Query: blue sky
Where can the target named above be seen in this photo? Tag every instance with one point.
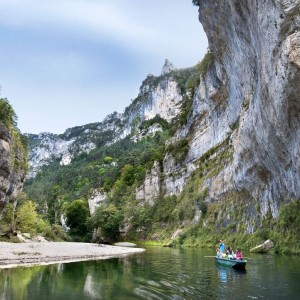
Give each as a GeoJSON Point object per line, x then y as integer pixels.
{"type": "Point", "coordinates": [65, 63]}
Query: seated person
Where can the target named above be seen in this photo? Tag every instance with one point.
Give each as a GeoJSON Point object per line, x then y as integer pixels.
{"type": "Point", "coordinates": [230, 253]}
{"type": "Point", "coordinates": [239, 254]}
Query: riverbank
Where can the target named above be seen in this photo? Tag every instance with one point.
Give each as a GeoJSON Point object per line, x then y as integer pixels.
{"type": "Point", "coordinates": [30, 254]}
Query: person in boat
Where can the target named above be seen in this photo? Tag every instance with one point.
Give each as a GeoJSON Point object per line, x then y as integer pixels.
{"type": "Point", "coordinates": [218, 252]}
{"type": "Point", "coordinates": [222, 246]}
{"type": "Point", "coordinates": [230, 253]}
{"type": "Point", "coordinates": [239, 254]}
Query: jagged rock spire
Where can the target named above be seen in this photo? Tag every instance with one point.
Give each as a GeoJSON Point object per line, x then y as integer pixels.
{"type": "Point", "coordinates": [168, 67]}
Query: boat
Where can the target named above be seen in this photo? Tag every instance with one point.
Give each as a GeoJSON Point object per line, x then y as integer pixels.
{"type": "Point", "coordinates": [234, 263]}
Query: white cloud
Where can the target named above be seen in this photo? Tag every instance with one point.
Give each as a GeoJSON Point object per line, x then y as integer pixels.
{"type": "Point", "coordinates": [94, 53]}
{"type": "Point", "coordinates": [93, 18]}
{"type": "Point", "coordinates": [136, 25]}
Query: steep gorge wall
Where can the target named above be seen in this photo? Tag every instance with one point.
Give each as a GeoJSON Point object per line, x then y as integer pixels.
{"type": "Point", "coordinates": [13, 161]}
{"type": "Point", "coordinates": [258, 47]}
{"type": "Point", "coordinates": [250, 94]}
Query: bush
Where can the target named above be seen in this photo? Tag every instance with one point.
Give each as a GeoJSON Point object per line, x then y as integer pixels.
{"type": "Point", "coordinates": [205, 63]}
{"type": "Point", "coordinates": [56, 233]}
{"type": "Point", "coordinates": [179, 150]}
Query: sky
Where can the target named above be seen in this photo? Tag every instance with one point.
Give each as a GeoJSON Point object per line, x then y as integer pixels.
{"type": "Point", "coordinates": [65, 63]}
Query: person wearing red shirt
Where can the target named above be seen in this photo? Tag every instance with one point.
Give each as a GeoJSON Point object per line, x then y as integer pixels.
{"type": "Point", "coordinates": [239, 254]}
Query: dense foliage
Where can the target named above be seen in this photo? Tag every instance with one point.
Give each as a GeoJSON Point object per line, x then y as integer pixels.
{"type": "Point", "coordinates": [78, 220]}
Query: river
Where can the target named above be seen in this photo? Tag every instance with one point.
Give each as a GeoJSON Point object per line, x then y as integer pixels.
{"type": "Point", "coordinates": [159, 273]}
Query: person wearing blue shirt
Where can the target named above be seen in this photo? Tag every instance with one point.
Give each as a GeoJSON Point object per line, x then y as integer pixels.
{"type": "Point", "coordinates": [222, 246]}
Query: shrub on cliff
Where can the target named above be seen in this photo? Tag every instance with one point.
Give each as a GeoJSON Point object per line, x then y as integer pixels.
{"type": "Point", "coordinates": [7, 114]}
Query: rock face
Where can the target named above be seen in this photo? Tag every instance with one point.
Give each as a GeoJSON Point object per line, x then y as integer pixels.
{"type": "Point", "coordinates": [150, 190]}
{"type": "Point", "coordinates": [95, 200]}
{"type": "Point", "coordinates": [13, 160]}
{"type": "Point", "coordinates": [46, 147]}
{"type": "Point", "coordinates": [249, 96]}
{"type": "Point", "coordinates": [49, 146]}
{"type": "Point", "coordinates": [256, 53]}
{"type": "Point", "coordinates": [266, 247]}
{"type": "Point", "coordinates": [167, 68]}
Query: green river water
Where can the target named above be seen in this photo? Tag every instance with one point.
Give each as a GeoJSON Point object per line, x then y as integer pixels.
{"type": "Point", "coordinates": [159, 273]}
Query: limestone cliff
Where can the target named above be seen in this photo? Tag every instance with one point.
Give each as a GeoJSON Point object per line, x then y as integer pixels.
{"type": "Point", "coordinates": [257, 53]}
{"type": "Point", "coordinates": [247, 102]}
{"type": "Point", "coordinates": [13, 164]}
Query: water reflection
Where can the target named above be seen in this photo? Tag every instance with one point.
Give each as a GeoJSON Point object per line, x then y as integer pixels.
{"type": "Point", "coordinates": [229, 274]}
{"type": "Point", "coordinates": [157, 274]}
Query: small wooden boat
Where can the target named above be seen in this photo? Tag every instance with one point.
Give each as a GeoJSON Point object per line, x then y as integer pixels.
{"type": "Point", "coordinates": [234, 263]}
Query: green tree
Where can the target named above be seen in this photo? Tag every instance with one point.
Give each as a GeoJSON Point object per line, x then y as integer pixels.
{"type": "Point", "coordinates": [108, 160]}
{"type": "Point", "coordinates": [28, 220]}
{"type": "Point", "coordinates": [128, 174]}
{"type": "Point", "coordinates": [78, 216]}
{"type": "Point", "coordinates": [109, 219]}
{"type": "Point", "coordinates": [7, 221]}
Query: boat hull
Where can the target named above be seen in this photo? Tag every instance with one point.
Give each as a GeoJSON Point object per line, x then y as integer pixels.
{"type": "Point", "coordinates": [233, 263]}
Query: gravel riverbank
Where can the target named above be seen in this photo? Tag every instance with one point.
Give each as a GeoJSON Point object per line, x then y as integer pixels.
{"type": "Point", "coordinates": [29, 254]}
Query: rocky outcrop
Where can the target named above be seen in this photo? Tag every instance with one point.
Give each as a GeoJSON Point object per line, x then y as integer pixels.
{"type": "Point", "coordinates": [167, 68]}
{"type": "Point", "coordinates": [13, 164]}
{"type": "Point", "coordinates": [98, 197]}
{"type": "Point", "coordinates": [150, 190]}
{"type": "Point", "coordinates": [158, 96]}
{"type": "Point", "coordinates": [48, 146]}
{"type": "Point", "coordinates": [266, 247]}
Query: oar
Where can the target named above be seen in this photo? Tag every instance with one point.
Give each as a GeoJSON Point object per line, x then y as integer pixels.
{"type": "Point", "coordinates": [209, 256]}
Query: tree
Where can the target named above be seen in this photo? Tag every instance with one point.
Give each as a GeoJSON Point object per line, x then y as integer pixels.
{"type": "Point", "coordinates": [107, 160]}
{"type": "Point", "coordinates": [108, 218]}
{"type": "Point", "coordinates": [78, 216]}
{"type": "Point", "coordinates": [128, 174]}
{"type": "Point", "coordinates": [28, 220]}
